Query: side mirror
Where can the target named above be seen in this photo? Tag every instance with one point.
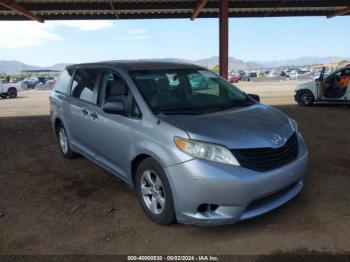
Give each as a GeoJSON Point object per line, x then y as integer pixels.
{"type": "Point", "coordinates": [116, 107]}
{"type": "Point", "coordinates": [255, 97]}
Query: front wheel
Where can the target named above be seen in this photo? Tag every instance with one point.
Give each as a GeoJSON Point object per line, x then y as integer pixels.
{"type": "Point", "coordinates": [154, 192]}
{"type": "Point", "coordinates": [3, 96]}
{"type": "Point", "coordinates": [305, 98]}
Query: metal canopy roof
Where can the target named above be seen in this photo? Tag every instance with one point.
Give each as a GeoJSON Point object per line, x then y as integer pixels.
{"type": "Point", "coordinates": [150, 9]}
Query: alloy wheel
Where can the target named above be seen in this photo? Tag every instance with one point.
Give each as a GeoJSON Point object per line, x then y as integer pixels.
{"type": "Point", "coordinates": [305, 98]}
{"type": "Point", "coordinates": [153, 192]}
{"type": "Point", "coordinates": [63, 140]}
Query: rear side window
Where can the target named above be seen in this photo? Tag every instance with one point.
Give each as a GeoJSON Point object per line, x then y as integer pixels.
{"type": "Point", "coordinates": [63, 81]}
{"type": "Point", "coordinates": [84, 84]}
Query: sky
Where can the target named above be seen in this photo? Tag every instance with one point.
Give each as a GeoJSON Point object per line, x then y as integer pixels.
{"type": "Point", "coordinates": [257, 39]}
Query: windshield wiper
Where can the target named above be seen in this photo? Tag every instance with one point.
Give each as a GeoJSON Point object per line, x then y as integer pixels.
{"type": "Point", "coordinates": [179, 111]}
{"type": "Point", "coordinates": [203, 109]}
{"type": "Point", "coordinates": [219, 107]}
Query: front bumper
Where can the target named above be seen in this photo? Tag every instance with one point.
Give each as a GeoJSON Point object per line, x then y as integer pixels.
{"type": "Point", "coordinates": [234, 192]}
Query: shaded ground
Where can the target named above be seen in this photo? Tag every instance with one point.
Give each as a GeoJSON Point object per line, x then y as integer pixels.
{"type": "Point", "coordinates": [49, 205]}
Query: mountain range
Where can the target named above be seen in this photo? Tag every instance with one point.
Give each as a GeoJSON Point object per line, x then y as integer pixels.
{"type": "Point", "coordinates": [12, 66]}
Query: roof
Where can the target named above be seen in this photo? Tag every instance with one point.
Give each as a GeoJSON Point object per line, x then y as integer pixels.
{"type": "Point", "coordinates": [139, 65]}
{"type": "Point", "coordinates": [148, 9]}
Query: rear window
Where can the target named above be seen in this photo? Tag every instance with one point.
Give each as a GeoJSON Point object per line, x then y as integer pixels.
{"type": "Point", "coordinates": [63, 81]}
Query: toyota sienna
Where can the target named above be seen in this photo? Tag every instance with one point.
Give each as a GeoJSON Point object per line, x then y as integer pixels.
{"type": "Point", "coordinates": [195, 148]}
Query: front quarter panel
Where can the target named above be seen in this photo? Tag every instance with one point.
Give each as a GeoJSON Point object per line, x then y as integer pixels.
{"type": "Point", "coordinates": [309, 85]}
{"type": "Point", "coordinates": [158, 141]}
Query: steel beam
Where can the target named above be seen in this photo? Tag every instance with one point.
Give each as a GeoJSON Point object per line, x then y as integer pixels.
{"type": "Point", "coordinates": [12, 5]}
{"type": "Point", "coordinates": [342, 11]}
{"type": "Point", "coordinates": [173, 5]}
{"type": "Point", "coordinates": [198, 9]}
{"type": "Point", "coordinates": [223, 34]}
{"type": "Point", "coordinates": [278, 6]}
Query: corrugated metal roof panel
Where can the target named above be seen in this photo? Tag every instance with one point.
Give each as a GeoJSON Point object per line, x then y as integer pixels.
{"type": "Point", "coordinates": [143, 9]}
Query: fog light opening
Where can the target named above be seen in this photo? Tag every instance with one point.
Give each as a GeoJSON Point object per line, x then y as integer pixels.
{"type": "Point", "coordinates": [207, 208]}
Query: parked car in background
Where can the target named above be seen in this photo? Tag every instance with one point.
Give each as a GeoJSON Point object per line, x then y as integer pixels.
{"type": "Point", "coordinates": [241, 74]}
{"type": "Point", "coordinates": [41, 80]}
{"type": "Point", "coordinates": [283, 73]}
{"type": "Point", "coordinates": [234, 77]}
{"type": "Point", "coordinates": [248, 76]}
{"type": "Point", "coordinates": [260, 74]}
{"type": "Point", "coordinates": [9, 90]}
{"type": "Point", "coordinates": [206, 157]}
{"type": "Point", "coordinates": [334, 88]}
{"type": "Point", "coordinates": [298, 74]}
{"type": "Point", "coordinates": [29, 83]}
{"type": "Point", "coordinates": [274, 73]}
{"type": "Point", "coordinates": [197, 83]}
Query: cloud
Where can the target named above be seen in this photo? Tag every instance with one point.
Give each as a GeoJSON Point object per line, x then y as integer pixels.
{"type": "Point", "coordinates": [173, 34]}
{"type": "Point", "coordinates": [134, 34]}
{"type": "Point", "coordinates": [89, 25]}
{"type": "Point", "coordinates": [24, 34]}
{"type": "Point", "coordinates": [137, 31]}
{"type": "Point", "coordinates": [134, 37]}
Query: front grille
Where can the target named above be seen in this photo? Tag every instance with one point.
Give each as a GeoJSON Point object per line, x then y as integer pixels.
{"type": "Point", "coordinates": [266, 159]}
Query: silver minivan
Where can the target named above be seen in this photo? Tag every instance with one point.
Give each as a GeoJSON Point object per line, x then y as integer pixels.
{"type": "Point", "coordinates": [195, 148]}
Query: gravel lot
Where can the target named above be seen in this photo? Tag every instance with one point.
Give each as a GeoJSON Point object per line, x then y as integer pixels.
{"type": "Point", "coordinates": [49, 205]}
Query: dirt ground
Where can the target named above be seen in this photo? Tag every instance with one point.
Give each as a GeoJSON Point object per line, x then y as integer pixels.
{"type": "Point", "coordinates": [49, 205]}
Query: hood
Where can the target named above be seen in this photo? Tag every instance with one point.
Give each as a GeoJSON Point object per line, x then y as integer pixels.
{"type": "Point", "coordinates": [311, 84]}
{"type": "Point", "coordinates": [242, 127]}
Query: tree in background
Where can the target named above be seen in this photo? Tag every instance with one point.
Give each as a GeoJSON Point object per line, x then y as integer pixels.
{"type": "Point", "coordinates": [216, 69]}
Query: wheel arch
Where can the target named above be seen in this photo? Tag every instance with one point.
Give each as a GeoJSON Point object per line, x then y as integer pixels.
{"type": "Point", "coordinates": [306, 90]}
{"type": "Point", "coordinates": [135, 162]}
{"type": "Point", "coordinates": [57, 122]}
{"type": "Point", "coordinates": [12, 88]}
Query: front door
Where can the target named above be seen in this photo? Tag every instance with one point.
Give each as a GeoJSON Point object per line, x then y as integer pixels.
{"type": "Point", "coordinates": [114, 135]}
{"type": "Point", "coordinates": [336, 86]}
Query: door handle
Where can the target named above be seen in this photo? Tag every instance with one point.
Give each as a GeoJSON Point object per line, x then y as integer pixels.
{"type": "Point", "coordinates": [85, 111]}
{"type": "Point", "coordinates": [93, 115]}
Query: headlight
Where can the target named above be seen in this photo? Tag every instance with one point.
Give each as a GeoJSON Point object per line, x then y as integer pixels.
{"type": "Point", "coordinates": [206, 151]}
{"type": "Point", "coordinates": [294, 124]}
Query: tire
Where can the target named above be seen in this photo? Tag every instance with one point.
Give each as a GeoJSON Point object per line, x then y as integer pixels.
{"type": "Point", "coordinates": [63, 142]}
{"type": "Point", "coordinates": [305, 98]}
{"type": "Point", "coordinates": [152, 186]}
{"type": "Point", "coordinates": [3, 96]}
{"type": "Point", "coordinates": [12, 93]}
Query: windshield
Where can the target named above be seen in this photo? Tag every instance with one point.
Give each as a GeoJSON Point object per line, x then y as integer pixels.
{"type": "Point", "coordinates": [187, 91]}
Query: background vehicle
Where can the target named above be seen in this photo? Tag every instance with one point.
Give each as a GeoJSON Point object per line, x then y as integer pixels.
{"type": "Point", "coordinates": [299, 74]}
{"type": "Point", "coordinates": [332, 88]}
{"type": "Point", "coordinates": [9, 89]}
{"type": "Point", "coordinates": [29, 83]}
{"type": "Point", "coordinates": [283, 73]}
{"type": "Point", "coordinates": [247, 76]}
{"type": "Point", "coordinates": [198, 83]}
{"type": "Point", "coordinates": [274, 73]}
{"type": "Point", "coordinates": [234, 77]}
{"type": "Point", "coordinates": [260, 74]}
